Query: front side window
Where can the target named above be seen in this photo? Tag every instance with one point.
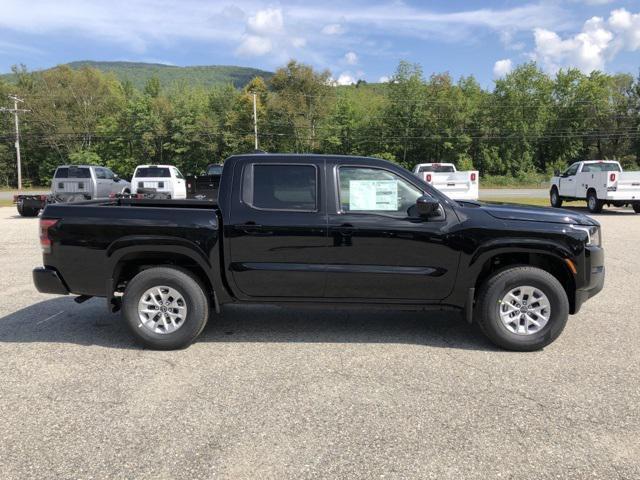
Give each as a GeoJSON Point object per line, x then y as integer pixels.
{"type": "Point", "coordinates": [101, 174]}
{"type": "Point", "coordinates": [152, 172]}
{"type": "Point", "coordinates": [177, 173]}
{"type": "Point", "coordinates": [572, 170]}
{"type": "Point", "coordinates": [281, 187]}
{"type": "Point", "coordinates": [373, 190]}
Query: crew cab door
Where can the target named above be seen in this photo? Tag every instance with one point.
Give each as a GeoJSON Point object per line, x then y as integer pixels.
{"type": "Point", "coordinates": [568, 182]}
{"type": "Point", "coordinates": [381, 249]}
{"type": "Point", "coordinates": [276, 231]}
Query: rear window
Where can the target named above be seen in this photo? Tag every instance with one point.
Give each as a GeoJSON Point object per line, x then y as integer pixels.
{"type": "Point", "coordinates": [214, 170]}
{"type": "Point", "coordinates": [280, 187]}
{"type": "Point", "coordinates": [73, 172]}
{"type": "Point", "coordinates": [152, 172]}
{"type": "Point", "coordinates": [436, 169]}
{"type": "Point", "coordinates": [600, 167]}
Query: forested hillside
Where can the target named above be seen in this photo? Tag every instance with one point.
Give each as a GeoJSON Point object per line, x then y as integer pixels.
{"type": "Point", "coordinates": [527, 125]}
{"type": "Point", "coordinates": [138, 73]}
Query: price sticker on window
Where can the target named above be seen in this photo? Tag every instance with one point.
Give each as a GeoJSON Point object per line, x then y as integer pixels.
{"type": "Point", "coordinates": [373, 195]}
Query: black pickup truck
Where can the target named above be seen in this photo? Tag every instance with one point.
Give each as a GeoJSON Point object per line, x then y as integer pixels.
{"type": "Point", "coordinates": [293, 229]}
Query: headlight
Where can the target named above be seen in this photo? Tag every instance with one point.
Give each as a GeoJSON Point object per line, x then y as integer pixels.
{"type": "Point", "coordinates": [594, 238]}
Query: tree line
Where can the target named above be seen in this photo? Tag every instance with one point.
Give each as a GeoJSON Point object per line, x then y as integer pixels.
{"type": "Point", "coordinates": [528, 124]}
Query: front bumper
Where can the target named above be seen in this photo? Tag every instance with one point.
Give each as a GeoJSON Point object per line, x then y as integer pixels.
{"type": "Point", "coordinates": [48, 280]}
{"type": "Point", "coordinates": [594, 276]}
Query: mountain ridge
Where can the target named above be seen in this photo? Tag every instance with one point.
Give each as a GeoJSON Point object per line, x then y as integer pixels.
{"type": "Point", "coordinates": [138, 73]}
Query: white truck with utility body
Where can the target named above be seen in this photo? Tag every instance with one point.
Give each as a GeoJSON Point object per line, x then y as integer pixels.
{"type": "Point", "coordinates": [163, 181]}
{"type": "Point", "coordinates": [599, 182]}
{"type": "Point", "coordinates": [444, 177]}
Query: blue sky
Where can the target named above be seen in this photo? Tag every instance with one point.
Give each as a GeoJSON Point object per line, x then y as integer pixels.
{"type": "Point", "coordinates": [354, 39]}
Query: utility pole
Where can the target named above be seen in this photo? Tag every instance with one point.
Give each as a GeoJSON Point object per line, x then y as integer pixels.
{"type": "Point", "coordinates": [15, 110]}
{"type": "Point", "coordinates": [255, 121]}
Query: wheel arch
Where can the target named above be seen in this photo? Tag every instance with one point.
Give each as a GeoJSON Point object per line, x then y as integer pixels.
{"type": "Point", "coordinates": [554, 264]}
{"type": "Point", "coordinates": [132, 255]}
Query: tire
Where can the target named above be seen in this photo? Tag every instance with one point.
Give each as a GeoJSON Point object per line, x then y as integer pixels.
{"type": "Point", "coordinates": [554, 197]}
{"type": "Point", "coordinates": [636, 207]}
{"type": "Point", "coordinates": [593, 204]}
{"type": "Point", "coordinates": [173, 281]}
{"type": "Point", "coordinates": [489, 308]}
{"type": "Point", "coordinates": [27, 211]}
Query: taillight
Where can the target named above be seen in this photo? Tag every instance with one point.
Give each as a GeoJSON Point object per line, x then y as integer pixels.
{"type": "Point", "coordinates": [473, 176]}
{"type": "Point", "coordinates": [45, 240]}
{"type": "Point", "coordinates": [612, 177]}
{"type": "Point", "coordinates": [188, 185]}
{"type": "Point", "coordinates": [428, 177]}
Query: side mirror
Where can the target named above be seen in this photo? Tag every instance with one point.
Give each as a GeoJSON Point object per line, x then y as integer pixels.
{"type": "Point", "coordinates": [427, 206]}
{"type": "Point", "coordinates": [556, 173]}
{"type": "Point", "coordinates": [116, 178]}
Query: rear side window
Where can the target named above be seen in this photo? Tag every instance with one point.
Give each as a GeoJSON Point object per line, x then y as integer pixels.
{"type": "Point", "coordinates": [436, 169]}
{"type": "Point", "coordinates": [72, 172]}
{"type": "Point", "coordinates": [214, 170]}
{"type": "Point", "coordinates": [152, 172]}
{"type": "Point", "coordinates": [281, 187]}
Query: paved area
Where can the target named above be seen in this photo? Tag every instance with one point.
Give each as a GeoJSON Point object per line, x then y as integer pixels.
{"type": "Point", "coordinates": [291, 393]}
{"type": "Point", "coordinates": [514, 192]}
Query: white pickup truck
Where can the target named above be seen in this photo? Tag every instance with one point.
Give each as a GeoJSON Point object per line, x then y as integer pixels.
{"type": "Point", "coordinates": [444, 177]}
{"type": "Point", "coordinates": [599, 182]}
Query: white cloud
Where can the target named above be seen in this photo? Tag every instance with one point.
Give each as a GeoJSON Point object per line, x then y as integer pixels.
{"type": "Point", "coordinates": [254, 46]}
{"type": "Point", "coordinates": [266, 22]}
{"type": "Point", "coordinates": [346, 78]}
{"type": "Point", "coordinates": [333, 29]}
{"type": "Point", "coordinates": [299, 42]}
{"type": "Point", "coordinates": [597, 43]}
{"type": "Point", "coordinates": [383, 79]}
{"type": "Point", "coordinates": [502, 68]}
{"type": "Point", "coordinates": [351, 58]}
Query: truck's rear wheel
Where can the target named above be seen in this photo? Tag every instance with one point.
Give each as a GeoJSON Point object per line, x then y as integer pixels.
{"type": "Point", "coordinates": [27, 211]}
{"type": "Point", "coordinates": [165, 308]}
{"type": "Point", "coordinates": [593, 204]}
{"type": "Point", "coordinates": [522, 308]}
{"type": "Point", "coordinates": [636, 207]}
{"type": "Point", "coordinates": [554, 196]}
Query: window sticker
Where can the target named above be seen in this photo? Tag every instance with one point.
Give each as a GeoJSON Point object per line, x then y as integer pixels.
{"type": "Point", "coordinates": [373, 195]}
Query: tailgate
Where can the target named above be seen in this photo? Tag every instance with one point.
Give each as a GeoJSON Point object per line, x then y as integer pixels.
{"type": "Point", "coordinates": [72, 185]}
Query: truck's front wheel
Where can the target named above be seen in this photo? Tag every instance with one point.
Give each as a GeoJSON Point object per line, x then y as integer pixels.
{"type": "Point", "coordinates": [522, 308]}
{"type": "Point", "coordinates": [554, 196]}
{"type": "Point", "coordinates": [165, 308]}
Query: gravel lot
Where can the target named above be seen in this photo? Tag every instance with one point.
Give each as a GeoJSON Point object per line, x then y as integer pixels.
{"type": "Point", "coordinates": [290, 393]}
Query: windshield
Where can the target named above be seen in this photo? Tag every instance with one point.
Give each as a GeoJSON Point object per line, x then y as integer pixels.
{"type": "Point", "coordinates": [214, 170]}
{"type": "Point", "coordinates": [152, 172]}
{"type": "Point", "coordinates": [601, 167]}
{"type": "Point", "coordinates": [436, 168]}
{"type": "Point", "coordinates": [72, 172]}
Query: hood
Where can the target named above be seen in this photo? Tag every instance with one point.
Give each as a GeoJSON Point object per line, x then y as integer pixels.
{"type": "Point", "coordinates": [506, 211]}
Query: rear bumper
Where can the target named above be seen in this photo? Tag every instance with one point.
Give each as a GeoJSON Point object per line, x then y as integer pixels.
{"type": "Point", "coordinates": [594, 276]}
{"type": "Point", "coordinates": [48, 280]}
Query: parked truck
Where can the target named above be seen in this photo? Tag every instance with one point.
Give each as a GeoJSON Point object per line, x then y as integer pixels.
{"type": "Point", "coordinates": [73, 183]}
{"type": "Point", "coordinates": [163, 181]}
{"type": "Point", "coordinates": [445, 177]}
{"type": "Point", "coordinates": [329, 230]}
{"type": "Point", "coordinates": [599, 182]}
{"type": "Point", "coordinates": [205, 186]}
